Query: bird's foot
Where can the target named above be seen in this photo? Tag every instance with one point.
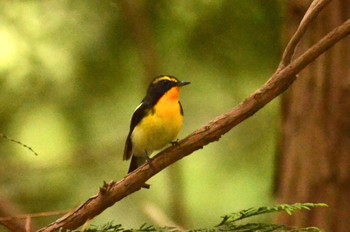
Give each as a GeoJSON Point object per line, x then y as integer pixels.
{"type": "Point", "coordinates": [149, 162]}
{"type": "Point", "coordinates": [175, 143]}
{"type": "Point", "coordinates": [106, 186]}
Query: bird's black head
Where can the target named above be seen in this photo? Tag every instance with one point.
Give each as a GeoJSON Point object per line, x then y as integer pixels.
{"type": "Point", "coordinates": [160, 85]}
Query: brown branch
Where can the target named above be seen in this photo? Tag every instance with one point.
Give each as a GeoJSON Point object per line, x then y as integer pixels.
{"type": "Point", "coordinates": [111, 193]}
{"type": "Point", "coordinates": [312, 12]}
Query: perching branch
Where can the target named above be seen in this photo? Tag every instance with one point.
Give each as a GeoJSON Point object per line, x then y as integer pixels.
{"type": "Point", "coordinates": [113, 192]}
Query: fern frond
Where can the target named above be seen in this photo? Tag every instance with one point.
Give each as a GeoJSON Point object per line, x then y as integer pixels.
{"type": "Point", "coordinates": [265, 210]}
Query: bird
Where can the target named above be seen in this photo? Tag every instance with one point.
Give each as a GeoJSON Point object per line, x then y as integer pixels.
{"type": "Point", "coordinates": [156, 122]}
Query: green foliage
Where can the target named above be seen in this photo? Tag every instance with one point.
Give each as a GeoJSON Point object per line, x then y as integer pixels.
{"type": "Point", "coordinates": [264, 210]}
{"type": "Point", "coordinates": [109, 227]}
{"type": "Point", "coordinates": [229, 222]}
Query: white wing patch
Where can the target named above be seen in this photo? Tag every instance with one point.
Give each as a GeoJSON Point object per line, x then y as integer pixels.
{"type": "Point", "coordinates": [138, 106]}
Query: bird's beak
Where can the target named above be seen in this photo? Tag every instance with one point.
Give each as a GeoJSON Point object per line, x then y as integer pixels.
{"type": "Point", "coordinates": [182, 83]}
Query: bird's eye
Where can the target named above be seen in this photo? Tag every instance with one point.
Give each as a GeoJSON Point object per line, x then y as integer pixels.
{"type": "Point", "coordinates": [167, 84]}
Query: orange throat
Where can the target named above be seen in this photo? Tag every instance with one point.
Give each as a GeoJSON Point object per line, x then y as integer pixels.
{"type": "Point", "coordinates": [172, 94]}
{"type": "Point", "coordinates": [168, 104]}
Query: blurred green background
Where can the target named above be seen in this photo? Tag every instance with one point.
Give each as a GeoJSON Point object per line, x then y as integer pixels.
{"type": "Point", "coordinates": [72, 73]}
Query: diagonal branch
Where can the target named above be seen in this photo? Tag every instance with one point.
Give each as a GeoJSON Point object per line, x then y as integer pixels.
{"type": "Point", "coordinates": [113, 192]}
{"type": "Point", "coordinates": [312, 12]}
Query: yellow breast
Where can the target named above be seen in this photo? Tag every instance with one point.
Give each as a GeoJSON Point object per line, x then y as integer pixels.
{"type": "Point", "coordinates": [160, 127]}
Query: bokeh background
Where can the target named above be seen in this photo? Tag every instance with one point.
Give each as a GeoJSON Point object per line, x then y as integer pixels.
{"type": "Point", "coordinates": [72, 73]}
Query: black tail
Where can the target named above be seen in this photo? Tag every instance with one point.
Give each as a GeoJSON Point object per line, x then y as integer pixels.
{"type": "Point", "coordinates": [134, 164]}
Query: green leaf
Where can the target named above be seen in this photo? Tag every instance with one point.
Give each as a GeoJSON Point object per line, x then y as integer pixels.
{"type": "Point", "coordinates": [265, 210]}
{"type": "Point", "coordinates": [229, 222]}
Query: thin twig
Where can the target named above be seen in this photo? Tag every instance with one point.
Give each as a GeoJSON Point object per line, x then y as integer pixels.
{"type": "Point", "coordinates": [18, 142]}
{"type": "Point", "coordinates": [312, 12]}
{"type": "Point", "coordinates": [323, 45]}
{"type": "Point", "coordinates": [33, 215]}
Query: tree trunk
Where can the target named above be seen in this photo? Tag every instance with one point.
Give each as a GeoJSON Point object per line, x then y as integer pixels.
{"type": "Point", "coordinates": [314, 160]}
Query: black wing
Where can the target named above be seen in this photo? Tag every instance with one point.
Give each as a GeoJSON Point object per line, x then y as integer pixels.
{"type": "Point", "coordinates": [181, 110]}
{"type": "Point", "coordinates": [139, 113]}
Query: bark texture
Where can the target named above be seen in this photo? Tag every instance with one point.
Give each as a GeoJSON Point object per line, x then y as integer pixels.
{"type": "Point", "coordinates": [314, 162]}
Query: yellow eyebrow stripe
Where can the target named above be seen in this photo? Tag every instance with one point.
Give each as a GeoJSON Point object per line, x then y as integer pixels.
{"type": "Point", "coordinates": [164, 78]}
